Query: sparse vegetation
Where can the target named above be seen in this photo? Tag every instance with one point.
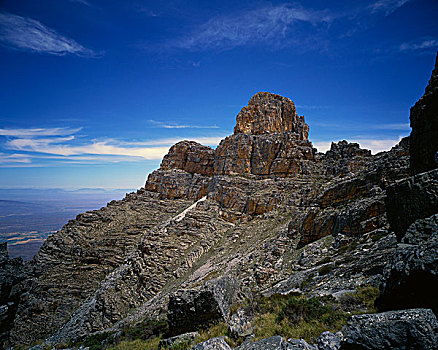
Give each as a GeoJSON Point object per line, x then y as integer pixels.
{"type": "Point", "coordinates": [326, 260]}
{"type": "Point", "coordinates": [297, 317]}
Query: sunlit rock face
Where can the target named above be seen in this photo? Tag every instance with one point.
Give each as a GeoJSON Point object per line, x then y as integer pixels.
{"type": "Point", "coordinates": [270, 138]}
{"type": "Point", "coordinates": [268, 113]}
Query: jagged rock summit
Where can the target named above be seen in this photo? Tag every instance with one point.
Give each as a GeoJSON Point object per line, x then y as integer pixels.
{"type": "Point", "coordinates": [263, 211]}
{"type": "Point", "coordinates": [270, 113]}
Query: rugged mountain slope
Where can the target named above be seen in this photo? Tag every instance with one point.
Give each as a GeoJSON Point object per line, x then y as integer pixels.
{"type": "Point", "coordinates": [264, 207]}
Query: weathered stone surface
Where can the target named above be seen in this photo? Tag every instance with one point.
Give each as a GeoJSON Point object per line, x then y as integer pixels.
{"type": "Point", "coordinates": [185, 172]}
{"type": "Point", "coordinates": [189, 309]}
{"type": "Point", "coordinates": [272, 343]}
{"type": "Point", "coordinates": [407, 329]}
{"type": "Point", "coordinates": [411, 199]}
{"type": "Point", "coordinates": [178, 339]}
{"type": "Point", "coordinates": [279, 154]}
{"type": "Point", "coordinates": [212, 344]}
{"type": "Point", "coordinates": [412, 271]}
{"type": "Point", "coordinates": [329, 341]}
{"type": "Point", "coordinates": [424, 124]}
{"type": "Point", "coordinates": [177, 183]}
{"type": "Point", "coordinates": [71, 263]}
{"type": "Point", "coordinates": [269, 113]}
{"type": "Point", "coordinates": [239, 324]}
{"type": "Point", "coordinates": [344, 157]}
{"type": "Point", "coordinates": [299, 344]}
{"type": "Point", "coordinates": [191, 157]}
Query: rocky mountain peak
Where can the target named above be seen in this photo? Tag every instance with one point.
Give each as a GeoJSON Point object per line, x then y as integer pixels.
{"type": "Point", "coordinates": [268, 113]}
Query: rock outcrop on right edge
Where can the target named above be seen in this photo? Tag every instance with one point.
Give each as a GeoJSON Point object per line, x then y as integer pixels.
{"type": "Point", "coordinates": [407, 329]}
{"type": "Point", "coordinates": [424, 123]}
{"type": "Point", "coordinates": [410, 199]}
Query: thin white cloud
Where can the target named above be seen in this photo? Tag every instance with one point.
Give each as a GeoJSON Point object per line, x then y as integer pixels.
{"type": "Point", "coordinates": [59, 146]}
{"type": "Point", "coordinates": [387, 6]}
{"type": "Point", "coordinates": [420, 45]}
{"type": "Point", "coordinates": [204, 140]}
{"type": "Point", "coordinates": [54, 146]}
{"type": "Point", "coordinates": [270, 24]}
{"type": "Point", "coordinates": [30, 35]}
{"type": "Point", "coordinates": [159, 124]}
{"type": "Point", "coordinates": [83, 2]}
{"type": "Point", "coordinates": [38, 132]}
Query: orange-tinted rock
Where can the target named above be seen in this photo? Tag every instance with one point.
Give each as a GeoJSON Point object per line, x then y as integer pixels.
{"type": "Point", "coordinates": [191, 157]}
{"type": "Point", "coordinates": [269, 113]}
{"type": "Point", "coordinates": [185, 172]}
{"type": "Point", "coordinates": [280, 154]}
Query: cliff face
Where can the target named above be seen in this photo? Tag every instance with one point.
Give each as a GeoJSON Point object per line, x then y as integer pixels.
{"type": "Point", "coordinates": [424, 124]}
{"type": "Point", "coordinates": [270, 139]}
{"type": "Point", "coordinates": [264, 207]}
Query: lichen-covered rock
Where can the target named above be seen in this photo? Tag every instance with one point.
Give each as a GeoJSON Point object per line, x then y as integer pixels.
{"type": "Point", "coordinates": [329, 341]}
{"type": "Point", "coordinates": [189, 309]}
{"type": "Point", "coordinates": [412, 272]}
{"type": "Point", "coordinates": [269, 113]}
{"type": "Point", "coordinates": [424, 124]}
{"type": "Point", "coordinates": [239, 324]}
{"type": "Point", "coordinates": [272, 343]}
{"type": "Point", "coordinates": [411, 199]}
{"type": "Point", "coordinates": [299, 344]}
{"type": "Point", "coordinates": [406, 329]}
{"type": "Point", "coordinates": [212, 344]}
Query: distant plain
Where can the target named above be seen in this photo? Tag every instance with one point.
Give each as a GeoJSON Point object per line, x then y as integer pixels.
{"type": "Point", "coordinates": [28, 216]}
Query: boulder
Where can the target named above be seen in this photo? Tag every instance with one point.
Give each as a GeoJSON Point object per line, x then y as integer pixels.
{"type": "Point", "coordinates": [413, 198]}
{"type": "Point", "coordinates": [406, 329]}
{"type": "Point", "coordinates": [329, 341]}
{"type": "Point", "coordinates": [212, 344]}
{"type": "Point", "coordinates": [424, 124]}
{"type": "Point", "coordinates": [190, 309]}
{"type": "Point", "coordinates": [239, 324]}
{"type": "Point", "coordinates": [299, 344]}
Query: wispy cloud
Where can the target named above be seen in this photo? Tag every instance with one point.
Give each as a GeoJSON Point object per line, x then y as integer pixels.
{"type": "Point", "coordinates": [60, 146]}
{"type": "Point", "coordinates": [83, 2]}
{"type": "Point", "coordinates": [271, 25]}
{"type": "Point", "coordinates": [419, 45]}
{"type": "Point", "coordinates": [38, 132]}
{"type": "Point", "coordinates": [159, 124]}
{"type": "Point", "coordinates": [387, 6]}
{"type": "Point", "coordinates": [30, 35]}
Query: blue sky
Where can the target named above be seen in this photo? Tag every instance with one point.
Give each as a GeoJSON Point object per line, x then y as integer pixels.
{"type": "Point", "coordinates": [94, 92]}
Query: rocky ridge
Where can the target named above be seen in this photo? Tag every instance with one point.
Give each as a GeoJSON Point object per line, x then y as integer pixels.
{"type": "Point", "coordinates": [263, 210]}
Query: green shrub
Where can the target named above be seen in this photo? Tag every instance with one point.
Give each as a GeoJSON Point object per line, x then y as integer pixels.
{"type": "Point", "coordinates": [295, 316]}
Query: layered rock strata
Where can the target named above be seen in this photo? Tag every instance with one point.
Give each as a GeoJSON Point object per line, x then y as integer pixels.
{"type": "Point", "coordinates": [263, 206]}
